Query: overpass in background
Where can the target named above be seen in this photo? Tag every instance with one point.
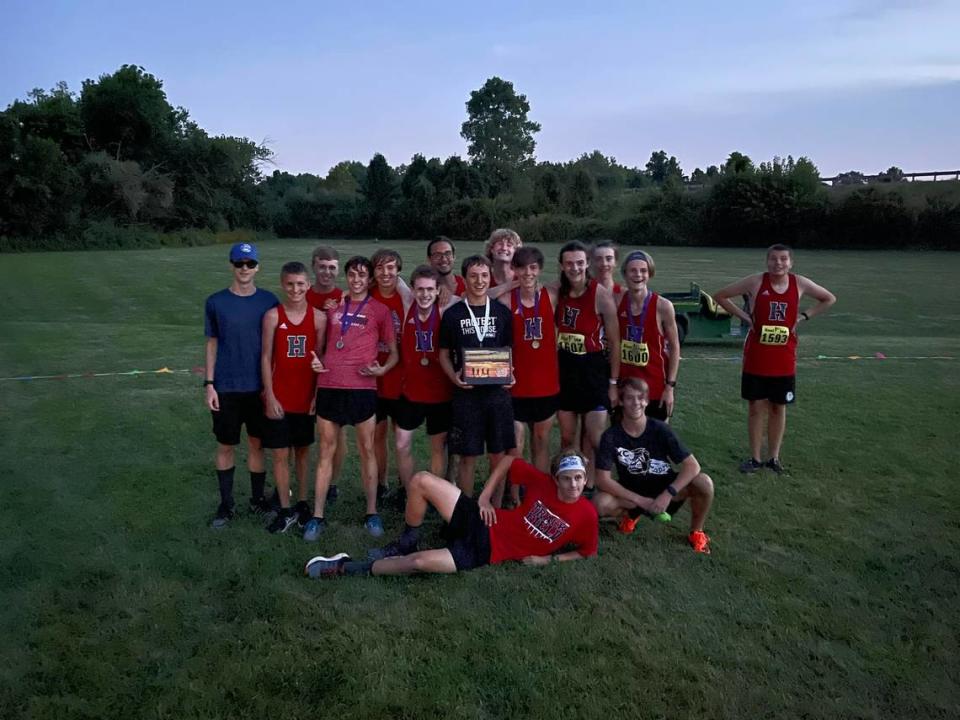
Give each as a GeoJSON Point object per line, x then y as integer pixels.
{"type": "Point", "coordinates": [905, 177]}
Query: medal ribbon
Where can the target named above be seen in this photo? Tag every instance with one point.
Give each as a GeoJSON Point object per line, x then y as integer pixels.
{"type": "Point", "coordinates": [432, 323]}
{"type": "Point", "coordinates": [536, 302]}
{"type": "Point", "coordinates": [476, 325]}
{"type": "Point", "coordinates": [643, 317]}
{"type": "Point", "coordinates": [347, 317]}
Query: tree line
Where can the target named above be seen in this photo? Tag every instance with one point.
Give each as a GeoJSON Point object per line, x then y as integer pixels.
{"type": "Point", "coordinates": [116, 165]}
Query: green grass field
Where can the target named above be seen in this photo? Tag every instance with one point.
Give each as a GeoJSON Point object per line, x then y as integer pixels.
{"type": "Point", "coordinates": [831, 592]}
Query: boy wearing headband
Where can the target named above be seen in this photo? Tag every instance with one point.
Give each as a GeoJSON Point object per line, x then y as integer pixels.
{"type": "Point", "coordinates": [649, 339]}
{"type": "Point", "coordinates": [553, 518]}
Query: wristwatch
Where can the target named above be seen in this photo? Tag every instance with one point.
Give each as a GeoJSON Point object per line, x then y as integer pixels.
{"type": "Point", "coordinates": [672, 490]}
{"type": "Point", "coordinates": [207, 382]}
{"type": "Point", "coordinates": [671, 383]}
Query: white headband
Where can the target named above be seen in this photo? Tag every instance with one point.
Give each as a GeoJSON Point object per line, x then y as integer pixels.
{"type": "Point", "coordinates": [570, 462]}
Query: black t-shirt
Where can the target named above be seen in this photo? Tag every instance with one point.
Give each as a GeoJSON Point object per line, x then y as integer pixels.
{"type": "Point", "coordinates": [643, 463]}
{"type": "Point", "coordinates": [457, 332]}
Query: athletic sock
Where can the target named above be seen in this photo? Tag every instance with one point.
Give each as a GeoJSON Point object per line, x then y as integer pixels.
{"type": "Point", "coordinates": [257, 482]}
{"type": "Point", "coordinates": [409, 538]}
{"type": "Point", "coordinates": [225, 481]}
{"type": "Point", "coordinates": [352, 567]}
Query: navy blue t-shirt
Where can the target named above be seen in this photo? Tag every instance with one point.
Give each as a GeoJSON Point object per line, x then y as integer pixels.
{"type": "Point", "coordinates": [235, 322]}
{"type": "Point", "coordinates": [643, 463]}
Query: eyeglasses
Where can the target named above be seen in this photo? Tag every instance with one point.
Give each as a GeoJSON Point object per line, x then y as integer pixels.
{"type": "Point", "coordinates": [249, 264]}
{"type": "Point", "coordinates": [440, 255]}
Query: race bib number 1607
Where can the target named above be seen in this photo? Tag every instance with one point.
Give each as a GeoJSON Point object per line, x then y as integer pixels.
{"type": "Point", "coordinates": [572, 342]}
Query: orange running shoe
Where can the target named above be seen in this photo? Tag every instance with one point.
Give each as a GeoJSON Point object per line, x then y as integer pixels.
{"type": "Point", "coordinates": [700, 542]}
{"type": "Point", "coordinates": [627, 524]}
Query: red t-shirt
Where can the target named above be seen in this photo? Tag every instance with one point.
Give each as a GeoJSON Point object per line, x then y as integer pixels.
{"type": "Point", "coordinates": [461, 285]}
{"type": "Point", "coordinates": [771, 345]}
{"type": "Point", "coordinates": [293, 378]}
{"type": "Point", "coordinates": [390, 385]}
{"type": "Point", "coordinates": [423, 383]}
{"type": "Point", "coordinates": [534, 368]}
{"type": "Point", "coordinates": [580, 327]}
{"type": "Point", "coordinates": [543, 524]}
{"type": "Point", "coordinates": [364, 332]}
{"type": "Point", "coordinates": [318, 300]}
{"type": "Point", "coordinates": [641, 346]}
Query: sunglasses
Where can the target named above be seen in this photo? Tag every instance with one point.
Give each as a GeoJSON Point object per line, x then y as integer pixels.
{"type": "Point", "coordinates": [250, 264]}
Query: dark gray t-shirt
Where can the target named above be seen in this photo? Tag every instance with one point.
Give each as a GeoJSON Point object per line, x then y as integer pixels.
{"type": "Point", "coordinates": [643, 463]}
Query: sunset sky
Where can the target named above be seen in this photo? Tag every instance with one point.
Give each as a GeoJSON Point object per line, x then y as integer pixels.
{"type": "Point", "coordinates": [852, 84]}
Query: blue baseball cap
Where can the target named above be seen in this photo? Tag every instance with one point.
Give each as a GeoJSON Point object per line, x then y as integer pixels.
{"type": "Point", "coordinates": [244, 251]}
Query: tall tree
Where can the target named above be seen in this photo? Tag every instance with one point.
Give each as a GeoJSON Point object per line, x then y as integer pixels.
{"type": "Point", "coordinates": [738, 164]}
{"type": "Point", "coordinates": [499, 134]}
{"type": "Point", "coordinates": [127, 115]}
{"type": "Point", "coordinates": [662, 169]}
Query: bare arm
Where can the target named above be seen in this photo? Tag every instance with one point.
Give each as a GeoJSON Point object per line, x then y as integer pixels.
{"type": "Point", "coordinates": [268, 330]}
{"type": "Point", "coordinates": [607, 484]}
{"type": "Point", "coordinates": [540, 560]}
{"type": "Point", "coordinates": [212, 399]}
{"type": "Point", "coordinates": [406, 294]}
{"type": "Point", "coordinates": [824, 297]}
{"type": "Point", "coordinates": [320, 323]}
{"type": "Point", "coordinates": [378, 370]}
{"type": "Point", "coordinates": [668, 324]}
{"type": "Point", "coordinates": [607, 310]}
{"type": "Point", "coordinates": [447, 364]}
{"type": "Point", "coordinates": [498, 290]}
{"type": "Point", "coordinates": [745, 286]}
{"type": "Point", "coordinates": [492, 487]}
{"type": "Point", "coordinates": [689, 469]}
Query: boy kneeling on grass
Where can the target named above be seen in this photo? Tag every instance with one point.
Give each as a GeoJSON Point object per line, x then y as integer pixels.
{"type": "Point", "coordinates": [644, 451]}
{"type": "Point", "coordinates": [552, 518]}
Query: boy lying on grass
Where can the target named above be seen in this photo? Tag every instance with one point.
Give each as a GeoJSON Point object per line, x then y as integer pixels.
{"type": "Point", "coordinates": [552, 518]}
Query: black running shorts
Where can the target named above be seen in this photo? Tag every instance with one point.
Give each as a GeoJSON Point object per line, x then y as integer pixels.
{"type": "Point", "coordinates": [780, 390]}
{"type": "Point", "coordinates": [346, 407]}
{"type": "Point", "coordinates": [236, 410]}
{"type": "Point", "coordinates": [468, 537]}
{"type": "Point", "coordinates": [292, 430]}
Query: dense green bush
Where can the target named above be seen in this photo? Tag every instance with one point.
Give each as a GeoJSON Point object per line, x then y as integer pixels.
{"type": "Point", "coordinates": [118, 166]}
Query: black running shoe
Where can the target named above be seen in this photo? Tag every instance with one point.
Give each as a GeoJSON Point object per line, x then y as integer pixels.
{"type": "Point", "coordinates": [223, 517]}
{"type": "Point", "coordinates": [260, 506]}
{"type": "Point", "coordinates": [774, 464]}
{"type": "Point", "coordinates": [284, 520]}
{"type": "Point", "coordinates": [303, 512]}
{"type": "Point", "coordinates": [750, 466]}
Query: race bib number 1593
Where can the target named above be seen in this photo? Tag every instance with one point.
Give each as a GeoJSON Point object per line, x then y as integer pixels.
{"type": "Point", "coordinates": [774, 335]}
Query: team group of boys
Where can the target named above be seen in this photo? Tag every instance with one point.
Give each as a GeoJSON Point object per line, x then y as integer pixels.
{"type": "Point", "coordinates": [385, 355]}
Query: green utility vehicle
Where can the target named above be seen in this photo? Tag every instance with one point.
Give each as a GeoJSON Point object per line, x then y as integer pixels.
{"type": "Point", "coordinates": [700, 318]}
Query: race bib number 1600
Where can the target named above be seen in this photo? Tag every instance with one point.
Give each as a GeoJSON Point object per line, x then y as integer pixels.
{"type": "Point", "coordinates": [634, 353]}
{"type": "Point", "coordinates": [774, 335]}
